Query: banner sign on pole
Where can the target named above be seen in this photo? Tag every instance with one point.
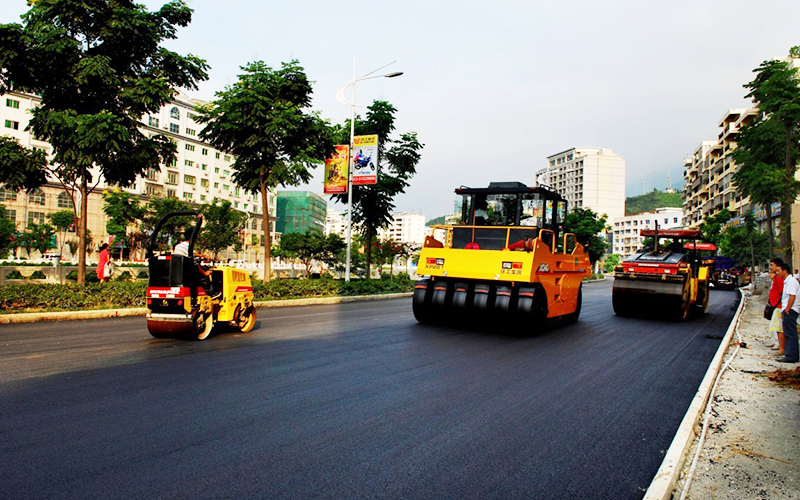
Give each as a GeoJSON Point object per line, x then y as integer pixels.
{"type": "Point", "coordinates": [336, 171]}
{"type": "Point", "coordinates": [365, 160]}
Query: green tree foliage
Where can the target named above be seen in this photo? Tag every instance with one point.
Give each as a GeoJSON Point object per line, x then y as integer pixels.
{"type": "Point", "coordinates": [62, 221]}
{"type": "Point", "coordinates": [312, 245]}
{"type": "Point", "coordinates": [586, 224]}
{"type": "Point", "coordinates": [744, 243]}
{"type": "Point", "coordinates": [762, 175]}
{"type": "Point", "coordinates": [7, 233]}
{"type": "Point", "coordinates": [373, 205]}
{"type": "Point", "coordinates": [651, 201]}
{"type": "Point", "coordinates": [23, 168]}
{"type": "Point", "coordinates": [172, 232]}
{"type": "Point", "coordinates": [37, 237]}
{"type": "Point", "coordinates": [611, 262]}
{"type": "Point", "coordinates": [713, 224]}
{"type": "Point", "coordinates": [222, 227]}
{"type": "Point", "coordinates": [776, 92]}
{"type": "Point", "coordinates": [98, 67]}
{"type": "Point", "coordinates": [265, 121]}
{"type": "Point", "coordinates": [123, 210]}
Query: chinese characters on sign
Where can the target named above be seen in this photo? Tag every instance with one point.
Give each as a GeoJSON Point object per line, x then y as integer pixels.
{"type": "Point", "coordinates": [365, 160]}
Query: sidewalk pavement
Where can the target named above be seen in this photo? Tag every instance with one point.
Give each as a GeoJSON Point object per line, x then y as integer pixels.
{"type": "Point", "coordinates": [751, 449]}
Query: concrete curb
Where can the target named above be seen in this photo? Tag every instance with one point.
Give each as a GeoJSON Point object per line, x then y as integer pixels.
{"type": "Point", "coordinates": [10, 319]}
{"type": "Point", "coordinates": [663, 484]}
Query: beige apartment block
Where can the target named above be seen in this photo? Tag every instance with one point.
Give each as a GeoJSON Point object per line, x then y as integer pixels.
{"type": "Point", "coordinates": [591, 178]}
{"type": "Point", "coordinates": [406, 227]}
{"type": "Point", "coordinates": [199, 173]}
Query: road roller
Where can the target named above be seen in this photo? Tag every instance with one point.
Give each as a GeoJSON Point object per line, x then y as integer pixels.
{"type": "Point", "coordinates": [669, 280]}
{"type": "Point", "coordinates": [183, 301]}
{"type": "Point", "coordinates": [507, 260]}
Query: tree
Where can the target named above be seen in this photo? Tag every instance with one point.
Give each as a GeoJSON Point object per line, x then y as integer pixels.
{"type": "Point", "coordinates": [62, 221]}
{"type": "Point", "coordinates": [312, 245]}
{"type": "Point", "coordinates": [98, 67]}
{"type": "Point", "coordinates": [23, 168]}
{"type": "Point", "coordinates": [373, 205]}
{"type": "Point", "coordinates": [222, 227]}
{"type": "Point", "coordinates": [7, 232]}
{"type": "Point", "coordinates": [776, 92]}
{"type": "Point", "coordinates": [762, 175]}
{"type": "Point", "coordinates": [586, 224]}
{"type": "Point", "coordinates": [156, 209]}
{"type": "Point", "coordinates": [265, 122]}
{"type": "Point", "coordinates": [713, 224]}
{"type": "Point", "coordinates": [611, 262]}
{"type": "Point", "coordinates": [37, 237]}
{"type": "Point", "coordinates": [744, 243]}
{"type": "Point", "coordinates": [123, 210]}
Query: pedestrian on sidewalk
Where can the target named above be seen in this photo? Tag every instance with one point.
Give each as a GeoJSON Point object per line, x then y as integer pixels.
{"type": "Point", "coordinates": [790, 309]}
{"type": "Point", "coordinates": [776, 341]}
{"type": "Point", "coordinates": [103, 268]}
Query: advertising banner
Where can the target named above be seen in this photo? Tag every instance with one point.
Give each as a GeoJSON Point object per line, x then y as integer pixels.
{"type": "Point", "coordinates": [365, 160]}
{"type": "Point", "coordinates": [336, 171]}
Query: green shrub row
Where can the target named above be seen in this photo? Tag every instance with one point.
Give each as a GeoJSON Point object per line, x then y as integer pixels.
{"type": "Point", "coordinates": [70, 297]}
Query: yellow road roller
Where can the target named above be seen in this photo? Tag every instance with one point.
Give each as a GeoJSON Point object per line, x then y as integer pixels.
{"type": "Point", "coordinates": [668, 280]}
{"type": "Point", "coordinates": [184, 300]}
{"type": "Point", "coordinates": [507, 258]}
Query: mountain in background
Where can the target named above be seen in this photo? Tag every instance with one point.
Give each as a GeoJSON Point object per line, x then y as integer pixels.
{"type": "Point", "coordinates": [438, 220]}
{"type": "Point", "coordinates": [651, 201]}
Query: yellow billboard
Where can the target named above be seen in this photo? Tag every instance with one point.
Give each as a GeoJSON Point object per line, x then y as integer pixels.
{"type": "Point", "coordinates": [336, 171]}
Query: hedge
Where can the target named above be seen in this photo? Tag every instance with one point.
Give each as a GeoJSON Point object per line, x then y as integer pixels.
{"type": "Point", "coordinates": [19, 297]}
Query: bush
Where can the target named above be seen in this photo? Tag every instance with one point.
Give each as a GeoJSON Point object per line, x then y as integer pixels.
{"type": "Point", "coordinates": [14, 275]}
{"type": "Point", "coordinates": [38, 275]}
{"type": "Point", "coordinates": [124, 276]}
{"type": "Point", "coordinates": [143, 275]}
{"type": "Point", "coordinates": [93, 295]}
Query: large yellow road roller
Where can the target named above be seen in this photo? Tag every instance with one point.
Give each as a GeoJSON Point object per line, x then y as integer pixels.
{"type": "Point", "coordinates": [185, 303]}
{"type": "Point", "coordinates": [507, 258]}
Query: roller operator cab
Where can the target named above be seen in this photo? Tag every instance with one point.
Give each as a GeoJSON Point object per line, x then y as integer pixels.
{"type": "Point", "coordinates": [666, 280]}
{"type": "Point", "coordinates": [507, 258]}
{"type": "Point", "coordinates": [184, 303]}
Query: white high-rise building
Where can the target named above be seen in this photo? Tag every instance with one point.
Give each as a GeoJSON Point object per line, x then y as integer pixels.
{"type": "Point", "coordinates": [406, 227]}
{"type": "Point", "coordinates": [591, 178]}
{"type": "Point", "coordinates": [625, 230]}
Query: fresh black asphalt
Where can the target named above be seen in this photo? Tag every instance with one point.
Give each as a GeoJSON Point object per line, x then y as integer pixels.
{"type": "Point", "coordinates": [348, 402]}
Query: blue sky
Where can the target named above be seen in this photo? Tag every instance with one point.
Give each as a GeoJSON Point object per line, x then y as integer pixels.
{"type": "Point", "coordinates": [492, 88]}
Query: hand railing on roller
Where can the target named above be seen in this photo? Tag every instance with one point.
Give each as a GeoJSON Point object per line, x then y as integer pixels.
{"type": "Point", "coordinates": [498, 238]}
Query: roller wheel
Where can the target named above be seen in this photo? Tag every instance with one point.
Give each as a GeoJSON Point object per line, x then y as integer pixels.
{"type": "Point", "coordinates": [203, 323]}
{"type": "Point", "coordinates": [420, 303]}
{"type": "Point", "coordinates": [245, 318]}
{"type": "Point", "coordinates": [621, 307]}
{"type": "Point", "coordinates": [573, 317]}
{"type": "Point", "coordinates": [685, 305]}
{"type": "Point", "coordinates": [702, 306]}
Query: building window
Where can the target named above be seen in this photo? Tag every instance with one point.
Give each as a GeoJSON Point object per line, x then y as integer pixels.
{"type": "Point", "coordinates": [204, 183]}
{"type": "Point", "coordinates": [64, 200]}
{"type": "Point", "coordinates": [35, 217]}
{"type": "Point", "coordinates": [12, 103]}
{"type": "Point", "coordinates": [171, 193]}
{"type": "Point", "coordinates": [11, 215]}
{"type": "Point", "coordinates": [189, 147]}
{"type": "Point", "coordinates": [8, 195]}
{"type": "Point", "coordinates": [216, 170]}
{"type": "Point", "coordinates": [151, 189]}
{"type": "Point", "coordinates": [236, 191]}
{"type": "Point", "coordinates": [152, 174]}
{"type": "Point", "coordinates": [255, 224]}
{"type": "Point", "coordinates": [36, 198]}
{"type": "Point", "coordinates": [227, 158]}
{"type": "Point", "coordinates": [192, 116]}
{"type": "Point", "coordinates": [217, 155]}
{"type": "Point", "coordinates": [202, 197]}
{"type": "Point", "coordinates": [226, 173]}
{"type": "Point", "coordinates": [174, 113]}
{"type": "Point", "coordinates": [203, 166]}
{"type": "Point", "coordinates": [172, 177]}
{"type": "Point", "coordinates": [188, 163]}
{"type": "Point", "coordinates": [153, 122]}
{"type": "Point", "coordinates": [190, 131]}
{"type": "Point", "coordinates": [187, 196]}
{"type": "Point", "coordinates": [216, 185]}
{"type": "Point", "coordinates": [188, 179]}
{"type": "Point", "coordinates": [205, 152]}
{"type": "Point", "coordinates": [12, 124]}
{"type": "Point", "coordinates": [676, 220]}
{"type": "Point", "coordinates": [174, 128]}
{"type": "Point", "coordinates": [226, 187]}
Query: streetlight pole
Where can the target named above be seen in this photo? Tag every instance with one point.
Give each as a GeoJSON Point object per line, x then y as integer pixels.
{"type": "Point", "coordinates": [351, 162]}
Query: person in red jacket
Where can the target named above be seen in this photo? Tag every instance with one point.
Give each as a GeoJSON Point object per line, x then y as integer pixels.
{"type": "Point", "coordinates": [774, 299]}
{"type": "Point", "coordinates": [102, 264]}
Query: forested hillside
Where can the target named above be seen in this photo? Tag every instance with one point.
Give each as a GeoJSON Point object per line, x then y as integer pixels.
{"type": "Point", "coordinates": [651, 201]}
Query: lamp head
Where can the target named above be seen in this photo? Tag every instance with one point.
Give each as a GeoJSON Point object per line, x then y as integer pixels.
{"type": "Point", "coordinates": [392, 75]}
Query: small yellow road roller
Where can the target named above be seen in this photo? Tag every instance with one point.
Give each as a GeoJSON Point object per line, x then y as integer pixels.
{"type": "Point", "coordinates": [184, 302]}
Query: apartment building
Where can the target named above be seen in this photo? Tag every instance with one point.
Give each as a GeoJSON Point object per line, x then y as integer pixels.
{"type": "Point", "coordinates": [624, 233]}
{"type": "Point", "coordinates": [591, 178]}
{"type": "Point", "coordinates": [199, 173]}
{"type": "Point", "coordinates": [708, 173]}
{"type": "Point", "coordinates": [406, 227]}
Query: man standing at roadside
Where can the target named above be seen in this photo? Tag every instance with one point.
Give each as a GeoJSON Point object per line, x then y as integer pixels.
{"type": "Point", "coordinates": [790, 309]}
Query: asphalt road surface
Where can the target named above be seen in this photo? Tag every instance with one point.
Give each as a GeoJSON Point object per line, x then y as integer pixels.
{"type": "Point", "coordinates": [348, 402]}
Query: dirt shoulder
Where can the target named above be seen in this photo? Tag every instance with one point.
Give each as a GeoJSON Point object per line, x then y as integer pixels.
{"type": "Point", "coordinates": [751, 450]}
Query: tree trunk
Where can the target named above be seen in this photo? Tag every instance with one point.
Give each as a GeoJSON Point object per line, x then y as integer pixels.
{"type": "Point", "coordinates": [368, 254]}
{"type": "Point", "coordinates": [82, 231]}
{"type": "Point", "coordinates": [786, 204]}
{"type": "Point", "coordinates": [770, 233]}
{"type": "Point", "coordinates": [267, 236]}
